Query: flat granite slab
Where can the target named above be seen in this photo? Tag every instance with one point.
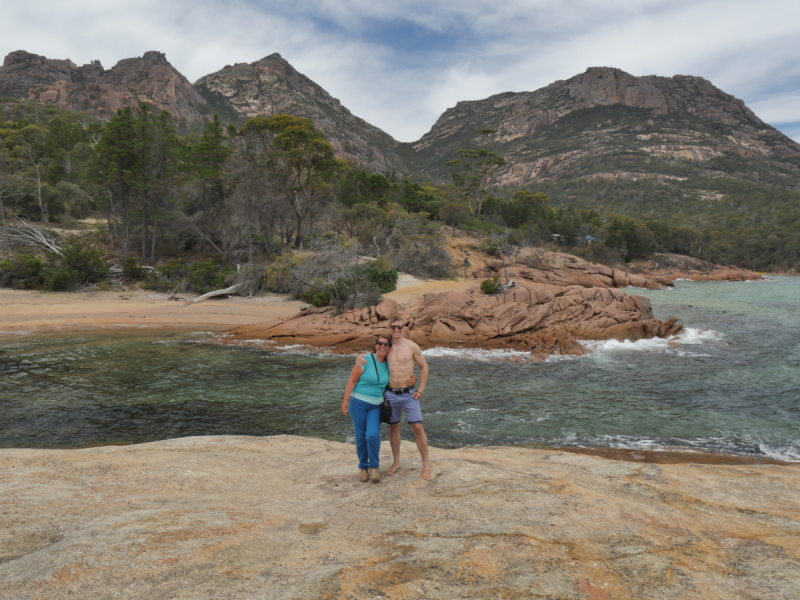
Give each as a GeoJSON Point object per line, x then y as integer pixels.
{"type": "Point", "coordinates": [285, 517]}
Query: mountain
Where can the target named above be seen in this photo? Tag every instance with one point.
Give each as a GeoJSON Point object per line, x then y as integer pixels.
{"type": "Point", "coordinates": [271, 86]}
{"type": "Point", "coordinates": [601, 128]}
{"type": "Point", "coordinates": [99, 92]}
{"type": "Point", "coordinates": [607, 124]}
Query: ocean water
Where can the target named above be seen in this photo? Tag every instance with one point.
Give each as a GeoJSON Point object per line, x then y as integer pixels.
{"type": "Point", "coordinates": [729, 383]}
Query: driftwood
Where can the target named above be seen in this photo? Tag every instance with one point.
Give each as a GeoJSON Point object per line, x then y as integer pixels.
{"type": "Point", "coordinates": [229, 290]}
{"type": "Point", "coordinates": [26, 234]}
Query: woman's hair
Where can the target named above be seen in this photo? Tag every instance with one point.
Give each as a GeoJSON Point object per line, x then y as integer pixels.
{"type": "Point", "coordinates": [387, 337]}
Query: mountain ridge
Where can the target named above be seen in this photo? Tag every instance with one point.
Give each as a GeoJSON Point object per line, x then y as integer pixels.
{"type": "Point", "coordinates": [603, 124]}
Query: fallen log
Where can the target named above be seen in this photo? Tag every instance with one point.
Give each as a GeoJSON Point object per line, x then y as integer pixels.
{"type": "Point", "coordinates": [229, 290]}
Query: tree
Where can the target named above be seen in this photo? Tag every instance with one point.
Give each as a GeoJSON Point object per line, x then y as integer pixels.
{"type": "Point", "coordinates": [301, 158]}
{"type": "Point", "coordinates": [115, 166]}
{"type": "Point", "coordinates": [473, 172]}
{"type": "Point", "coordinates": [32, 147]}
{"type": "Point", "coordinates": [335, 277]}
{"type": "Point", "coordinates": [157, 146]}
{"type": "Point", "coordinates": [134, 160]}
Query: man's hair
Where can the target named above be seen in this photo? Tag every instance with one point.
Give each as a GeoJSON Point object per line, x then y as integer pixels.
{"type": "Point", "coordinates": [396, 318]}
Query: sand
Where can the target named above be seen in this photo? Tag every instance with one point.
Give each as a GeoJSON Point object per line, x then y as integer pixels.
{"type": "Point", "coordinates": [42, 311]}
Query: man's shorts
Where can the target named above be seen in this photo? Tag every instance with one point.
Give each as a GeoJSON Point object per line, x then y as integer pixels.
{"type": "Point", "coordinates": [404, 402]}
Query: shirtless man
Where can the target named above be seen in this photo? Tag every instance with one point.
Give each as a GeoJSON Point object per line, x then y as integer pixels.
{"type": "Point", "coordinates": [402, 357]}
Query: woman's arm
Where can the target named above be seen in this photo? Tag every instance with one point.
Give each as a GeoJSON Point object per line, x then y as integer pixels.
{"type": "Point", "coordinates": [355, 375]}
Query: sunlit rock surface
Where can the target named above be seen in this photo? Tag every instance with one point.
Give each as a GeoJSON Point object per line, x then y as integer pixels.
{"type": "Point", "coordinates": [285, 517]}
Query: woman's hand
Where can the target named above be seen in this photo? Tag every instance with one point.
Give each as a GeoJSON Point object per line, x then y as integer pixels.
{"type": "Point", "coordinates": [411, 380]}
{"type": "Point", "coordinates": [355, 375]}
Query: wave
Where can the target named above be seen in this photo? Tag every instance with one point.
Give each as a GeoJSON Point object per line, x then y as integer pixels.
{"type": "Point", "coordinates": [478, 354]}
{"type": "Point", "coordinates": [689, 336]}
{"type": "Point", "coordinates": [742, 445]}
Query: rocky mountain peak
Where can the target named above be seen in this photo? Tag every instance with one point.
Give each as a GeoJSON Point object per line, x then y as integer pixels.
{"type": "Point", "coordinates": [272, 86]}
{"type": "Point", "coordinates": [148, 79]}
{"type": "Point", "coordinates": [153, 57]}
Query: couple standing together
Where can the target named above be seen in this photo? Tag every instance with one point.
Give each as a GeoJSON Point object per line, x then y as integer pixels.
{"type": "Point", "coordinates": [388, 372]}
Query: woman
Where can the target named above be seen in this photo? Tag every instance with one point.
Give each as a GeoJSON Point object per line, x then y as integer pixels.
{"type": "Point", "coordinates": [363, 396]}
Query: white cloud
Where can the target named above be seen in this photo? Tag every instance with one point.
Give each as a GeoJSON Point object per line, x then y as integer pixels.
{"type": "Point", "coordinates": [466, 50]}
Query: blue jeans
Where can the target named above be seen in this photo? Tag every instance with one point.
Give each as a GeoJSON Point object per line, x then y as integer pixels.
{"type": "Point", "coordinates": [367, 427]}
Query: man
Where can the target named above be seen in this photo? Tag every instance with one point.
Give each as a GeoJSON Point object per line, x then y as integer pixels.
{"type": "Point", "coordinates": [402, 357]}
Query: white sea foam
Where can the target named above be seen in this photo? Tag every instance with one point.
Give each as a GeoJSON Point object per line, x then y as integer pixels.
{"type": "Point", "coordinates": [689, 336]}
{"type": "Point", "coordinates": [477, 354]}
{"type": "Point", "coordinates": [783, 453]}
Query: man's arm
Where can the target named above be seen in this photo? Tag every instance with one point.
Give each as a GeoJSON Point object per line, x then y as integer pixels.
{"type": "Point", "coordinates": [423, 376]}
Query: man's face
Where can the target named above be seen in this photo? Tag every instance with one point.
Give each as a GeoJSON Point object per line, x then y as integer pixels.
{"type": "Point", "coordinates": [397, 330]}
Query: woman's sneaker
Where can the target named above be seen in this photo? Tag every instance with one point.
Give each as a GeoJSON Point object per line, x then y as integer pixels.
{"type": "Point", "coordinates": [363, 476]}
{"type": "Point", "coordinates": [374, 475]}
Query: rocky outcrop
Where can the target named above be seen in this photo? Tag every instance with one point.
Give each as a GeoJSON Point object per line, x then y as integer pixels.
{"type": "Point", "coordinates": [271, 86]}
{"type": "Point", "coordinates": [99, 92]}
{"type": "Point", "coordinates": [557, 268]}
{"type": "Point", "coordinates": [285, 517]}
{"type": "Point", "coordinates": [670, 267]}
{"type": "Point", "coordinates": [537, 318]}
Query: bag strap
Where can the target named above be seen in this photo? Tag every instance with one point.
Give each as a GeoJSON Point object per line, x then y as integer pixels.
{"type": "Point", "coordinates": [375, 364]}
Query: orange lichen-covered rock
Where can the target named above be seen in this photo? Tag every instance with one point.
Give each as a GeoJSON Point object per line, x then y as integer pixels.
{"type": "Point", "coordinates": [545, 318]}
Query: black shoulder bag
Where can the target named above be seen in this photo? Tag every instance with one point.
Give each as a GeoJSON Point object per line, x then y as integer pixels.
{"type": "Point", "coordinates": [386, 408]}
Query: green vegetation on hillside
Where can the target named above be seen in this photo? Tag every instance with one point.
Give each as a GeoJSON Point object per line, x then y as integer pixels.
{"type": "Point", "coordinates": [239, 205]}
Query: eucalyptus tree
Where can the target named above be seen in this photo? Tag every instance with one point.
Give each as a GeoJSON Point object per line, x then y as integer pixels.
{"type": "Point", "coordinates": [300, 158]}
{"type": "Point", "coordinates": [473, 171]}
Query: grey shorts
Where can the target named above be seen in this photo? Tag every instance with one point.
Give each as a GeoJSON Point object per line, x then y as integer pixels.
{"type": "Point", "coordinates": [404, 402]}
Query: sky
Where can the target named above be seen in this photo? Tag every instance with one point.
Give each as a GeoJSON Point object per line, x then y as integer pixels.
{"type": "Point", "coordinates": [399, 64]}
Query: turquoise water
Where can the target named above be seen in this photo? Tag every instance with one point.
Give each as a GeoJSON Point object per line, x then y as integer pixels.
{"type": "Point", "coordinates": [731, 383]}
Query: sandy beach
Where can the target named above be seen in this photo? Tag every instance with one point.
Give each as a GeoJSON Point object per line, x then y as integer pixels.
{"type": "Point", "coordinates": [24, 310]}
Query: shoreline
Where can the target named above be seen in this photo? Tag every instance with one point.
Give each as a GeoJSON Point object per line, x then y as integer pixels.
{"type": "Point", "coordinates": [663, 456]}
{"type": "Point", "coordinates": [108, 313]}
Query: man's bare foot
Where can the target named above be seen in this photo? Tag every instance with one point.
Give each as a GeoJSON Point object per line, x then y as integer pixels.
{"type": "Point", "coordinates": [426, 473]}
{"type": "Point", "coordinates": [393, 469]}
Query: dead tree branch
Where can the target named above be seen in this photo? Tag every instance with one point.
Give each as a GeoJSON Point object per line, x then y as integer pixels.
{"type": "Point", "coordinates": [23, 233]}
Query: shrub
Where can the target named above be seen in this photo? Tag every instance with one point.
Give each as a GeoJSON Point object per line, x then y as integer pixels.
{"type": "Point", "coordinates": [279, 278]}
{"type": "Point", "coordinates": [200, 276]}
{"type": "Point", "coordinates": [423, 257]}
{"type": "Point", "coordinates": [132, 271]}
{"type": "Point", "coordinates": [490, 286]}
{"type": "Point", "coordinates": [23, 271]}
{"type": "Point", "coordinates": [317, 297]}
{"type": "Point", "coordinates": [77, 266]}
{"type": "Point", "coordinates": [381, 273]}
{"type": "Point", "coordinates": [207, 275]}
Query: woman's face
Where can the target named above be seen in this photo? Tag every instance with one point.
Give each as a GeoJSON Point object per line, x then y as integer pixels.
{"type": "Point", "coordinates": [382, 346]}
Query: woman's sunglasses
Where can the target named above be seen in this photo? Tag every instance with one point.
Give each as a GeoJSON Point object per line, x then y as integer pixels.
{"type": "Point", "coordinates": [387, 344]}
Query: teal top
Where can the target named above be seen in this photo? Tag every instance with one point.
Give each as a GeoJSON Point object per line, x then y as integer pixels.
{"type": "Point", "coordinates": [371, 384]}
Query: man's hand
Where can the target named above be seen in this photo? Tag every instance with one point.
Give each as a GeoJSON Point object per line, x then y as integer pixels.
{"type": "Point", "coordinates": [361, 360]}
{"type": "Point", "coordinates": [417, 395]}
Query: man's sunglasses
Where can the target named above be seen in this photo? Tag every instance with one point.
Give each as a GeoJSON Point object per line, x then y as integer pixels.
{"type": "Point", "coordinates": [387, 344]}
{"type": "Point", "coordinates": [399, 327]}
